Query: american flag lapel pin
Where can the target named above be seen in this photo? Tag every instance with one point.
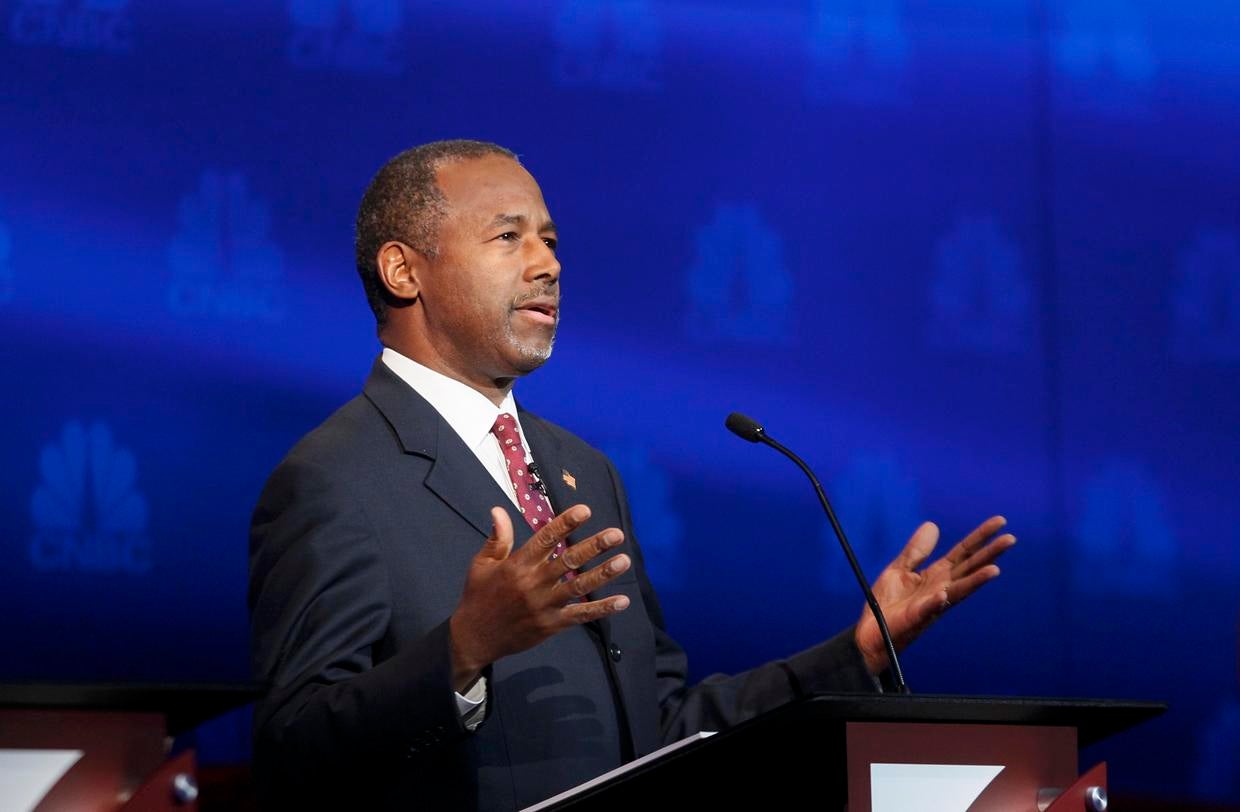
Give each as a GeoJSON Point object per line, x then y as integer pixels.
{"type": "Point", "coordinates": [569, 479]}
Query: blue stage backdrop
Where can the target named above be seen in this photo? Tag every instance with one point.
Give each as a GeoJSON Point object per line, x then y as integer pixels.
{"type": "Point", "coordinates": [969, 258]}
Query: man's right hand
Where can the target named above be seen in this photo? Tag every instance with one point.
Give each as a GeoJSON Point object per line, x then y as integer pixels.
{"type": "Point", "coordinates": [514, 601]}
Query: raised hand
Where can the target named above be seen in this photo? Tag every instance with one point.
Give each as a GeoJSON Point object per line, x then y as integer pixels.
{"type": "Point", "coordinates": [514, 601]}
{"type": "Point", "coordinates": [912, 600]}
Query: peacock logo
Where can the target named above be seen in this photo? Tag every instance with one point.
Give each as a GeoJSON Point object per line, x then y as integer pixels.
{"type": "Point", "coordinates": [858, 51]}
{"type": "Point", "coordinates": [223, 263]}
{"type": "Point", "coordinates": [980, 298]}
{"type": "Point", "coordinates": [360, 36]}
{"type": "Point", "coordinates": [1207, 298]}
{"type": "Point", "coordinates": [739, 288]}
{"type": "Point", "coordinates": [90, 25]}
{"type": "Point", "coordinates": [87, 512]}
{"type": "Point", "coordinates": [1103, 52]}
{"type": "Point", "coordinates": [1125, 541]}
{"type": "Point", "coordinates": [613, 44]}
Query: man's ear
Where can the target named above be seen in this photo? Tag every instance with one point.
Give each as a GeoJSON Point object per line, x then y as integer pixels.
{"type": "Point", "coordinates": [401, 269]}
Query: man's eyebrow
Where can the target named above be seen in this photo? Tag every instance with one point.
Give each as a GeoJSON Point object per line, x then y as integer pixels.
{"type": "Point", "coordinates": [518, 220]}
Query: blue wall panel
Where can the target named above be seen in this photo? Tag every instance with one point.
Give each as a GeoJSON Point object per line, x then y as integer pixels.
{"type": "Point", "coordinates": [969, 258]}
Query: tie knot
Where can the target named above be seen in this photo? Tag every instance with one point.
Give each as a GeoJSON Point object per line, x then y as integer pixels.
{"type": "Point", "coordinates": [505, 430]}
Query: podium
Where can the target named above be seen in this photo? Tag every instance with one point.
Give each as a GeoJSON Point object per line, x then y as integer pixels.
{"type": "Point", "coordinates": [113, 742]}
{"type": "Point", "coordinates": [825, 748]}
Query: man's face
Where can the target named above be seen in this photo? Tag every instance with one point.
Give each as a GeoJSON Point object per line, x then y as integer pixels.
{"type": "Point", "coordinates": [491, 295]}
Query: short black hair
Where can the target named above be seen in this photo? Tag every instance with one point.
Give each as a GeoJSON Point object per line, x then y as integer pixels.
{"type": "Point", "coordinates": [403, 202]}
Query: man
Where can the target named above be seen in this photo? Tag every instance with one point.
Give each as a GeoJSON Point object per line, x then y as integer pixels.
{"type": "Point", "coordinates": [448, 603]}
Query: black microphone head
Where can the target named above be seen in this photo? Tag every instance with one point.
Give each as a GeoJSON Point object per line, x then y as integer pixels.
{"type": "Point", "coordinates": [744, 427]}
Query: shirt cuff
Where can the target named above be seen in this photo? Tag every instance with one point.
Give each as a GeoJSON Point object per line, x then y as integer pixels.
{"type": "Point", "coordinates": [472, 706]}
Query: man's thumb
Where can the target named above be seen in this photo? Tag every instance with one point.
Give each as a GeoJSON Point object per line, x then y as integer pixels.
{"type": "Point", "coordinates": [499, 544]}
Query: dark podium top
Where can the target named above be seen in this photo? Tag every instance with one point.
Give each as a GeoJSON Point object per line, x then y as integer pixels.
{"type": "Point", "coordinates": [183, 706]}
{"type": "Point", "coordinates": [779, 756]}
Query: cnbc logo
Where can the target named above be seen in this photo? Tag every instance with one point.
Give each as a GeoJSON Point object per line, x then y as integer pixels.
{"type": "Point", "coordinates": [92, 25]}
{"type": "Point", "coordinates": [739, 287]}
{"type": "Point", "coordinates": [1105, 39]}
{"type": "Point", "coordinates": [223, 264]}
{"type": "Point", "coordinates": [1125, 535]}
{"type": "Point", "coordinates": [611, 44]}
{"type": "Point", "coordinates": [981, 299]}
{"type": "Point", "coordinates": [858, 52]}
{"type": "Point", "coordinates": [1105, 57]}
{"type": "Point", "coordinates": [88, 515]}
{"type": "Point", "coordinates": [1206, 302]}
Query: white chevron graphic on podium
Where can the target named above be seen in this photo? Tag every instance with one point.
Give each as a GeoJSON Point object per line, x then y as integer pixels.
{"type": "Point", "coordinates": [928, 787]}
{"type": "Point", "coordinates": [28, 775]}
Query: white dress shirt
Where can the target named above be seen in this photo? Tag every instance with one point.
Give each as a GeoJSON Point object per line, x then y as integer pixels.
{"type": "Point", "coordinates": [471, 415]}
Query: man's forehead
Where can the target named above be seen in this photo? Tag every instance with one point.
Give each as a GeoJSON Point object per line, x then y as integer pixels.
{"type": "Point", "coordinates": [491, 187]}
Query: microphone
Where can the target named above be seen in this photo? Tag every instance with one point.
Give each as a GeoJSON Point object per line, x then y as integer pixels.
{"type": "Point", "coordinates": [744, 427]}
{"type": "Point", "coordinates": [749, 429]}
{"type": "Point", "coordinates": [537, 484]}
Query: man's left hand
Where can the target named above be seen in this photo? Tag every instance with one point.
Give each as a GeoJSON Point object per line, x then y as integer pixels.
{"type": "Point", "coordinates": [912, 600]}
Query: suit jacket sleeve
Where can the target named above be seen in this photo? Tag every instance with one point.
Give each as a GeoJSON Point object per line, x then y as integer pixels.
{"type": "Point", "coordinates": [721, 701]}
{"type": "Point", "coordinates": [319, 600]}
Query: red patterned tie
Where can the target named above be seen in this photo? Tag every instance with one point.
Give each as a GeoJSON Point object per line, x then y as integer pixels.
{"type": "Point", "coordinates": [531, 501]}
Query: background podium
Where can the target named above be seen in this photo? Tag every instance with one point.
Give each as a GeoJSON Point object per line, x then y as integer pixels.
{"type": "Point", "coordinates": [822, 749]}
{"type": "Point", "coordinates": [123, 733]}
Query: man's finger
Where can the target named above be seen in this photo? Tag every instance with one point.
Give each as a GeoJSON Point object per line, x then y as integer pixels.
{"type": "Point", "coordinates": [555, 531]}
{"type": "Point", "coordinates": [590, 580]}
{"type": "Point", "coordinates": [984, 556]}
{"type": "Point", "coordinates": [963, 588]}
{"type": "Point", "coordinates": [972, 542]}
{"type": "Point", "coordinates": [499, 544]}
{"type": "Point", "coordinates": [578, 554]}
{"type": "Point", "coordinates": [578, 613]}
{"type": "Point", "coordinates": [919, 547]}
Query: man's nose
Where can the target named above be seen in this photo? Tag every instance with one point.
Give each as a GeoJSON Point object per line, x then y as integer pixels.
{"type": "Point", "coordinates": [542, 264]}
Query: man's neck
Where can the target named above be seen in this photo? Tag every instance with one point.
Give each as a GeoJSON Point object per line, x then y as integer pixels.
{"type": "Point", "coordinates": [493, 390]}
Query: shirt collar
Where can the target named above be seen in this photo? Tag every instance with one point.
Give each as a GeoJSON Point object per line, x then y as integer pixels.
{"type": "Point", "coordinates": [470, 414]}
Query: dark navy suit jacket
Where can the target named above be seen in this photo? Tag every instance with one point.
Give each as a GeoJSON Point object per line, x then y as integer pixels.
{"type": "Point", "coordinates": [359, 547]}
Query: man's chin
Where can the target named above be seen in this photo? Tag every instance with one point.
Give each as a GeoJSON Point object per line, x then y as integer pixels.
{"type": "Point", "coordinates": [530, 356]}
{"type": "Point", "coordinates": [532, 361]}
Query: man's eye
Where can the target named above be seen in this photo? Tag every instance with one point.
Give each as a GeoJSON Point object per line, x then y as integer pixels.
{"type": "Point", "coordinates": [508, 236]}
{"type": "Point", "coordinates": [551, 242]}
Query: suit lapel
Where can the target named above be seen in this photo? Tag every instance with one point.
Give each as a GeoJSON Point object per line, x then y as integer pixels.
{"type": "Point", "coordinates": [455, 476]}
{"type": "Point", "coordinates": [460, 480]}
